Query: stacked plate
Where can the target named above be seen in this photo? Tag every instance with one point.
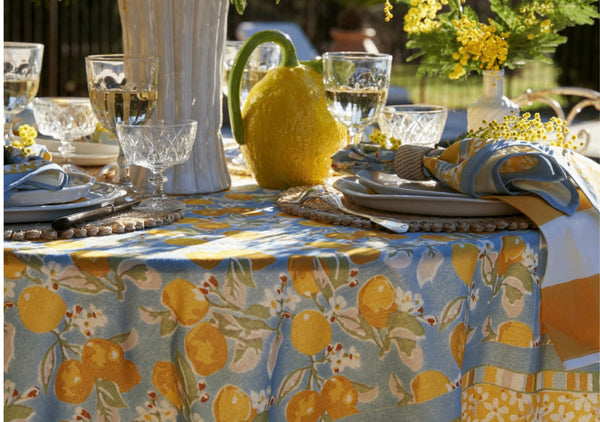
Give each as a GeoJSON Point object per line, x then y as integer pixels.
{"type": "Point", "coordinates": [83, 192]}
{"type": "Point", "coordinates": [86, 153]}
{"type": "Point", "coordinates": [387, 192]}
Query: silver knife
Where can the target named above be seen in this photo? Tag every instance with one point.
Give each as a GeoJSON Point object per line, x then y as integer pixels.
{"type": "Point", "coordinates": [67, 221]}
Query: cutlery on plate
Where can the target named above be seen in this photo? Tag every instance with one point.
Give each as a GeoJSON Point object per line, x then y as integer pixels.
{"type": "Point", "coordinates": [103, 210]}
{"type": "Point", "coordinates": [335, 201]}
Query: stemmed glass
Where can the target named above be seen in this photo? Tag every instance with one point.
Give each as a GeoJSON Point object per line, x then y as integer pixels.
{"type": "Point", "coordinates": [22, 67]}
{"type": "Point", "coordinates": [122, 89]}
{"type": "Point", "coordinates": [264, 58]}
{"type": "Point", "coordinates": [157, 146]}
{"type": "Point", "coordinates": [65, 118]}
{"type": "Point", "coordinates": [356, 87]}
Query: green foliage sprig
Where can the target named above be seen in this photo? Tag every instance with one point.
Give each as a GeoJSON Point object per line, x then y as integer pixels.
{"type": "Point", "coordinates": [452, 41]}
{"type": "Point", "coordinates": [240, 5]}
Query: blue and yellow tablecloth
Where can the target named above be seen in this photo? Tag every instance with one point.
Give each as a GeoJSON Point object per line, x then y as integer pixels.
{"type": "Point", "coordinates": [239, 313]}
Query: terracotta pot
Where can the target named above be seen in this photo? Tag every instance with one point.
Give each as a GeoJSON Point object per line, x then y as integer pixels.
{"type": "Point", "coordinates": [353, 40]}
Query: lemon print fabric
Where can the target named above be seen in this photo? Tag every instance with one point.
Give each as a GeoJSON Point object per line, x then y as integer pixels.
{"type": "Point", "coordinates": [429, 385]}
{"type": "Point", "coordinates": [41, 309]}
{"type": "Point", "coordinates": [101, 359]}
{"type": "Point", "coordinates": [311, 332]}
{"type": "Point", "coordinates": [339, 397]}
{"type": "Point", "coordinates": [304, 406]}
{"type": "Point", "coordinates": [73, 383]}
{"type": "Point", "coordinates": [515, 333]}
{"type": "Point", "coordinates": [376, 301]}
{"type": "Point", "coordinates": [185, 300]}
{"type": "Point", "coordinates": [165, 380]}
{"type": "Point", "coordinates": [233, 405]}
{"type": "Point", "coordinates": [206, 349]}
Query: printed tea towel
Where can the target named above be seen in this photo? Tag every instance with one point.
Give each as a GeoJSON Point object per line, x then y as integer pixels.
{"type": "Point", "coordinates": [566, 208]}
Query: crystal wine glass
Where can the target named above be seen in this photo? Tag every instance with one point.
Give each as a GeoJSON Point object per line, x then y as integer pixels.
{"type": "Point", "coordinates": [22, 67]}
{"type": "Point", "coordinates": [122, 89]}
{"type": "Point", "coordinates": [264, 58]}
{"type": "Point", "coordinates": [67, 119]}
{"type": "Point", "coordinates": [356, 87]}
{"type": "Point", "coordinates": [157, 146]}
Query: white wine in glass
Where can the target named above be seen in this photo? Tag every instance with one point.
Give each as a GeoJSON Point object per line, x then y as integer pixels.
{"type": "Point", "coordinates": [114, 106]}
{"type": "Point", "coordinates": [22, 67]}
{"type": "Point", "coordinates": [356, 87]}
{"type": "Point", "coordinates": [122, 89]}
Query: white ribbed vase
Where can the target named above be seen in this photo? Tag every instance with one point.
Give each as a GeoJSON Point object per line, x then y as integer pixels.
{"type": "Point", "coordinates": [188, 36]}
{"type": "Point", "coordinates": [493, 104]}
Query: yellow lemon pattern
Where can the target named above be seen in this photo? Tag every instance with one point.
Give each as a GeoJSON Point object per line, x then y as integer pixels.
{"type": "Point", "coordinates": [73, 384]}
{"type": "Point", "coordinates": [206, 349]}
{"type": "Point", "coordinates": [376, 301]}
{"type": "Point", "coordinates": [165, 379]}
{"type": "Point", "coordinates": [41, 310]}
{"type": "Point", "coordinates": [105, 360]}
{"type": "Point", "coordinates": [339, 397]}
{"type": "Point", "coordinates": [186, 300]}
{"type": "Point", "coordinates": [429, 385]}
{"type": "Point", "coordinates": [310, 332]}
{"type": "Point", "coordinates": [304, 406]}
{"type": "Point", "coordinates": [233, 405]}
{"type": "Point", "coordinates": [242, 313]}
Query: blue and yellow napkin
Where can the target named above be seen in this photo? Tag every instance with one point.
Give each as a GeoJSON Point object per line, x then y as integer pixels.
{"type": "Point", "coordinates": [23, 172]}
{"type": "Point", "coordinates": [556, 188]}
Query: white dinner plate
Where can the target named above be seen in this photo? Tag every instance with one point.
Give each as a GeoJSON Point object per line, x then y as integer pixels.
{"type": "Point", "coordinates": [98, 194]}
{"type": "Point", "coordinates": [422, 204]}
{"type": "Point", "coordinates": [79, 186]}
{"type": "Point", "coordinates": [390, 184]}
{"type": "Point", "coordinates": [86, 153]}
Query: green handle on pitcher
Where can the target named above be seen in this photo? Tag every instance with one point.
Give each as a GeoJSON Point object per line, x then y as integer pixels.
{"type": "Point", "coordinates": [288, 59]}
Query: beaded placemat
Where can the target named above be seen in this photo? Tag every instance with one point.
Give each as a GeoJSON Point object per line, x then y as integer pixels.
{"type": "Point", "coordinates": [325, 213]}
{"type": "Point", "coordinates": [122, 222]}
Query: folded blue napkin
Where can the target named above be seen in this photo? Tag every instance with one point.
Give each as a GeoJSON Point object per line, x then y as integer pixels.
{"type": "Point", "coordinates": [27, 173]}
{"type": "Point", "coordinates": [480, 167]}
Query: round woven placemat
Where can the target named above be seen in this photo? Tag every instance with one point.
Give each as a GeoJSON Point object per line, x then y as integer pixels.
{"type": "Point", "coordinates": [324, 213]}
{"type": "Point", "coordinates": [122, 222]}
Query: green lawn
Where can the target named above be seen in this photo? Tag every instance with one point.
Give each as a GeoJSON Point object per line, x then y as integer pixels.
{"type": "Point", "coordinates": [459, 94]}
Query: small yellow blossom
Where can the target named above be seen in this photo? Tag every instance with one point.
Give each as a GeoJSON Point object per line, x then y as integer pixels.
{"type": "Point", "coordinates": [532, 129]}
{"type": "Point", "coordinates": [27, 135]}
{"type": "Point", "coordinates": [388, 142]}
{"type": "Point", "coordinates": [387, 9]}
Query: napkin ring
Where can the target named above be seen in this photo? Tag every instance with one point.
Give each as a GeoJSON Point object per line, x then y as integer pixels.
{"type": "Point", "coordinates": [408, 161]}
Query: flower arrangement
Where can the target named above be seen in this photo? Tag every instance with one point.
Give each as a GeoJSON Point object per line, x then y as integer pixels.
{"type": "Point", "coordinates": [452, 41]}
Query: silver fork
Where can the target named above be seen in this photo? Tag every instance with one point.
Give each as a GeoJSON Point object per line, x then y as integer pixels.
{"type": "Point", "coordinates": [318, 192]}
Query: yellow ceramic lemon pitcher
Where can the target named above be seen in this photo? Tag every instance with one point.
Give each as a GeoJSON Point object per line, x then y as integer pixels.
{"type": "Point", "coordinates": [286, 133]}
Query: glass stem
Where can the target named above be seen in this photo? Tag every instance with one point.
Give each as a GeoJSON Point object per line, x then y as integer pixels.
{"type": "Point", "coordinates": [123, 171]}
{"type": "Point", "coordinates": [158, 180]}
{"type": "Point", "coordinates": [9, 136]}
{"type": "Point", "coordinates": [354, 135]}
{"type": "Point", "coordinates": [66, 150]}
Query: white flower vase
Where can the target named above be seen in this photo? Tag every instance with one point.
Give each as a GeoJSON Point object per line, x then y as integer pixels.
{"type": "Point", "coordinates": [188, 36]}
{"type": "Point", "coordinates": [493, 104]}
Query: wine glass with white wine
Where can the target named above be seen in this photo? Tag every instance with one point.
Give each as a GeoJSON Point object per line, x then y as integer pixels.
{"type": "Point", "coordinates": [22, 68]}
{"type": "Point", "coordinates": [356, 87]}
{"type": "Point", "coordinates": [122, 89]}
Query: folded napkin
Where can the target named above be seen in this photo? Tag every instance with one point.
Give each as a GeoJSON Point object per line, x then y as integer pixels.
{"type": "Point", "coordinates": [555, 187]}
{"type": "Point", "coordinates": [33, 172]}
